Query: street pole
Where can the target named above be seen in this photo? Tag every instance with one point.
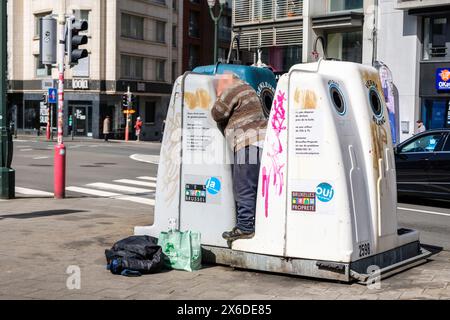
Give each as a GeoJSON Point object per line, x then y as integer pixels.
{"type": "Point", "coordinates": [7, 175]}
{"type": "Point", "coordinates": [60, 149]}
{"type": "Point", "coordinates": [127, 125]}
{"type": "Point", "coordinates": [216, 22]}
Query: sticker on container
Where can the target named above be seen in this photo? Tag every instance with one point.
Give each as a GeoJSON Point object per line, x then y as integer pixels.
{"type": "Point", "coordinates": [213, 185]}
{"type": "Point", "coordinates": [324, 192]}
{"type": "Point", "coordinates": [303, 201]}
{"type": "Point", "coordinates": [195, 193]}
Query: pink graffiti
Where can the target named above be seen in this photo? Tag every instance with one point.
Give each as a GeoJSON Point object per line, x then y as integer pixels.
{"type": "Point", "coordinates": [274, 172]}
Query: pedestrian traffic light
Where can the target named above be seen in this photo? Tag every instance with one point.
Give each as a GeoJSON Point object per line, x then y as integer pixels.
{"type": "Point", "coordinates": [74, 40]}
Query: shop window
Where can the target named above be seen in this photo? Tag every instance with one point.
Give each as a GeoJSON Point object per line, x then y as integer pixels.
{"type": "Point", "coordinates": [31, 115]}
{"type": "Point", "coordinates": [281, 59]}
{"type": "Point", "coordinates": [436, 38]}
{"type": "Point", "coordinates": [345, 46]}
{"type": "Point", "coordinates": [344, 5]}
{"type": "Point", "coordinates": [150, 111]}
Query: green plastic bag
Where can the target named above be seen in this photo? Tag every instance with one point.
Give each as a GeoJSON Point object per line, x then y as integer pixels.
{"type": "Point", "coordinates": [182, 249]}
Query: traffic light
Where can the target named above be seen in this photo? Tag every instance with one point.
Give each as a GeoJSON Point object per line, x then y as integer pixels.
{"type": "Point", "coordinates": [74, 40]}
{"type": "Point", "coordinates": [44, 99]}
{"type": "Point", "coordinates": [133, 101]}
{"type": "Point", "coordinates": [125, 101]}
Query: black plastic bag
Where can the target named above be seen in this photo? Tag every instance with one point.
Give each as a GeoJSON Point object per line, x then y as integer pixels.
{"type": "Point", "coordinates": [134, 256]}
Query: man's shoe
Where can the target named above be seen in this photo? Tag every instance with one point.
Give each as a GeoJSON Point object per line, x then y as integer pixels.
{"type": "Point", "coordinates": [236, 234]}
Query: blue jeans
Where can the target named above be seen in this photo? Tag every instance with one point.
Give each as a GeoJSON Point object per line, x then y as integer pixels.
{"type": "Point", "coordinates": [245, 185]}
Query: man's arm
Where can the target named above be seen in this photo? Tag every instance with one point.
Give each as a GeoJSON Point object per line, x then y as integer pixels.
{"type": "Point", "coordinates": [221, 110]}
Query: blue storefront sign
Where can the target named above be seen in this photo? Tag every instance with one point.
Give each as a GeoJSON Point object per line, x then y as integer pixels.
{"type": "Point", "coordinates": [443, 79]}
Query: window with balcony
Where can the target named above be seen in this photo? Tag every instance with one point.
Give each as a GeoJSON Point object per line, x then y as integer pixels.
{"type": "Point", "coordinates": [345, 5]}
{"type": "Point", "coordinates": [132, 26]}
{"type": "Point", "coordinates": [132, 67]}
{"type": "Point", "coordinates": [258, 11]}
{"type": "Point", "coordinates": [436, 38]}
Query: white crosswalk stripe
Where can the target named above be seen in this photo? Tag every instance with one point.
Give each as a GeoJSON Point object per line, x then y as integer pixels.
{"type": "Point", "coordinates": [147, 178]}
{"type": "Point", "coordinates": [32, 192]}
{"type": "Point", "coordinates": [111, 195]}
{"type": "Point", "coordinates": [137, 183]}
{"type": "Point", "coordinates": [116, 187]}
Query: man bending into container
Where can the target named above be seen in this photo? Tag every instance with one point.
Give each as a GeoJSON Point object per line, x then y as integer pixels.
{"type": "Point", "coordinates": [239, 115]}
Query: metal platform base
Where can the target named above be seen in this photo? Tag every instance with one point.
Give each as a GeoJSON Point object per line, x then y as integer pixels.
{"type": "Point", "coordinates": [387, 263]}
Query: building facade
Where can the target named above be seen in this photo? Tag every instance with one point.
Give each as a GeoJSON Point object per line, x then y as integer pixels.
{"type": "Point", "coordinates": [198, 34]}
{"type": "Point", "coordinates": [132, 43]}
{"type": "Point", "coordinates": [415, 42]}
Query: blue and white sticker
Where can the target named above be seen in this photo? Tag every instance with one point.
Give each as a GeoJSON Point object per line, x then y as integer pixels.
{"type": "Point", "coordinates": [324, 192]}
{"type": "Point", "coordinates": [213, 185]}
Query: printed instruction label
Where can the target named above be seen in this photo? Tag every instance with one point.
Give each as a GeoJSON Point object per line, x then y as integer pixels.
{"type": "Point", "coordinates": [307, 132]}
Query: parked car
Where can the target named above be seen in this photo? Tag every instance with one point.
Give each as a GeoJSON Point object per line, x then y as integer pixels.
{"type": "Point", "coordinates": [423, 165]}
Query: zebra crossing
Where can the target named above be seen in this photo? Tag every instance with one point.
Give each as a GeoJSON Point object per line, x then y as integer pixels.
{"type": "Point", "coordinates": [139, 190]}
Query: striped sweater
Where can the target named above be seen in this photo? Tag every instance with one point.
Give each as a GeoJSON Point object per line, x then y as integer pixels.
{"type": "Point", "coordinates": [238, 113]}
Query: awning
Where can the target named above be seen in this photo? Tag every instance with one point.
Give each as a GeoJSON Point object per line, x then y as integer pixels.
{"type": "Point", "coordinates": [351, 19]}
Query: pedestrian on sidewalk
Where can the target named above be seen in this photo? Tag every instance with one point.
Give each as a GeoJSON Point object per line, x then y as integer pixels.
{"type": "Point", "coordinates": [106, 128]}
{"type": "Point", "coordinates": [138, 127]}
{"type": "Point", "coordinates": [420, 127]}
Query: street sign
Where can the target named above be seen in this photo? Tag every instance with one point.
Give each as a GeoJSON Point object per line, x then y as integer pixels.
{"type": "Point", "coordinates": [131, 111]}
{"type": "Point", "coordinates": [52, 95]}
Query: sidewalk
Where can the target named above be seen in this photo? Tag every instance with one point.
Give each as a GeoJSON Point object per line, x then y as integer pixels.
{"type": "Point", "coordinates": [41, 238]}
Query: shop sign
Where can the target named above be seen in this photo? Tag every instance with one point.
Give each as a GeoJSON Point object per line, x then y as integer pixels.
{"type": "Point", "coordinates": [443, 79]}
{"type": "Point", "coordinates": [80, 84]}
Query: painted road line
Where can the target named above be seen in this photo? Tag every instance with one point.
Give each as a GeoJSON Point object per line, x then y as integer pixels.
{"type": "Point", "coordinates": [92, 192]}
{"type": "Point", "coordinates": [32, 192]}
{"type": "Point", "coordinates": [147, 178]}
{"type": "Point", "coordinates": [105, 194]}
{"type": "Point", "coordinates": [145, 158]}
{"type": "Point", "coordinates": [25, 149]}
{"type": "Point", "coordinates": [40, 158]}
{"type": "Point", "coordinates": [425, 211]}
{"type": "Point", "coordinates": [150, 202]}
{"type": "Point", "coordinates": [137, 183]}
{"type": "Point", "coordinates": [116, 187]}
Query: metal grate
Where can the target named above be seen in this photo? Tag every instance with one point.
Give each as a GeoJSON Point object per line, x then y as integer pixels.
{"type": "Point", "coordinates": [269, 37]}
{"type": "Point", "coordinates": [247, 12]}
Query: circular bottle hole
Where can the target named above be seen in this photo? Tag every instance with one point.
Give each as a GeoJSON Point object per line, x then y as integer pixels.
{"type": "Point", "coordinates": [375, 102]}
{"type": "Point", "coordinates": [266, 101]}
{"type": "Point", "coordinates": [337, 99]}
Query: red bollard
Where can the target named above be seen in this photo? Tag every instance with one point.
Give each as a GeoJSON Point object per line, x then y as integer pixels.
{"type": "Point", "coordinates": [48, 131]}
{"type": "Point", "coordinates": [60, 171]}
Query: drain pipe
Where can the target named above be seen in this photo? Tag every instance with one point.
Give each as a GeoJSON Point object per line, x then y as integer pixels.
{"type": "Point", "coordinates": [375, 33]}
